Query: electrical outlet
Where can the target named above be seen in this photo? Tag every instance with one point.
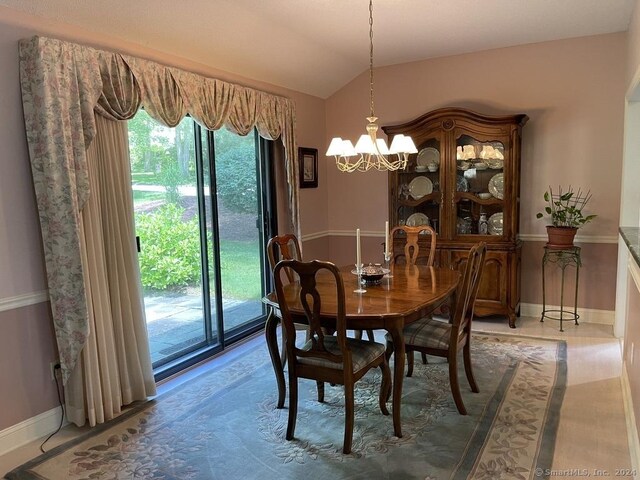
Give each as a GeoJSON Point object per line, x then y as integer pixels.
{"type": "Point", "coordinates": [52, 369]}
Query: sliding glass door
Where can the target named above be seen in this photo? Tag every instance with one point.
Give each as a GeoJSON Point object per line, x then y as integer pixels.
{"type": "Point", "coordinates": [201, 199]}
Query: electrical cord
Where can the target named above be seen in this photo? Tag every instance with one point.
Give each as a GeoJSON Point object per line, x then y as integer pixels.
{"type": "Point", "coordinates": [55, 377]}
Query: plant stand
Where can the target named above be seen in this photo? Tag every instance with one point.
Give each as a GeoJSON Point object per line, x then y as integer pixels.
{"type": "Point", "coordinates": [562, 258]}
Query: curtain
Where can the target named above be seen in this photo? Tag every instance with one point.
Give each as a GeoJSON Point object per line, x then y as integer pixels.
{"type": "Point", "coordinates": [115, 366]}
{"type": "Point", "coordinates": [62, 83]}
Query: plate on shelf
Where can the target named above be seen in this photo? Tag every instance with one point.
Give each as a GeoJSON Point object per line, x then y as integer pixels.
{"type": "Point", "coordinates": [494, 163]}
{"type": "Point", "coordinates": [428, 155]}
{"type": "Point", "coordinates": [419, 187]}
{"type": "Point", "coordinates": [417, 219]}
{"type": "Point", "coordinates": [462, 184]}
{"type": "Point", "coordinates": [496, 224]}
{"type": "Point", "coordinates": [496, 186]}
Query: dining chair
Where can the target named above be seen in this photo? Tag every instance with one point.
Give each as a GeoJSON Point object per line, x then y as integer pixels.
{"type": "Point", "coordinates": [325, 358]}
{"type": "Point", "coordinates": [285, 247]}
{"type": "Point", "coordinates": [443, 339]}
{"type": "Point", "coordinates": [411, 250]}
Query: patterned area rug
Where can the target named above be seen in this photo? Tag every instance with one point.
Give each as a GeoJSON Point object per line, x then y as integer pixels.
{"type": "Point", "coordinates": [224, 424]}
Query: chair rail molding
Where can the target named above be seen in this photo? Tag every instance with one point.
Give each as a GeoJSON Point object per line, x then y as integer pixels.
{"type": "Point", "coordinates": [24, 300]}
{"type": "Point", "coordinates": [542, 237]}
{"type": "Point", "coordinates": [527, 237]}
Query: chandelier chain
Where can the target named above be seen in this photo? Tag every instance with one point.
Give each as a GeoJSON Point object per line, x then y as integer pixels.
{"type": "Point", "coordinates": [371, 54]}
{"type": "Point", "coordinates": [371, 152]}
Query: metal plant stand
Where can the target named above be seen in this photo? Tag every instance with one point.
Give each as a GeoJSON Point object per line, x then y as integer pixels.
{"type": "Point", "coordinates": [562, 258]}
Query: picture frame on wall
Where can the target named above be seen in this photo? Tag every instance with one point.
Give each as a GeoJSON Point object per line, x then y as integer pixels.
{"type": "Point", "coordinates": [308, 167]}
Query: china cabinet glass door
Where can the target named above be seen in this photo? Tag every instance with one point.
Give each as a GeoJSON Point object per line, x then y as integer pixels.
{"type": "Point", "coordinates": [480, 187]}
{"type": "Point", "coordinates": [420, 187]}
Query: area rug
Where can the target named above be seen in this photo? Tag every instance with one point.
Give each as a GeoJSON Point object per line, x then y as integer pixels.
{"type": "Point", "coordinates": [224, 424]}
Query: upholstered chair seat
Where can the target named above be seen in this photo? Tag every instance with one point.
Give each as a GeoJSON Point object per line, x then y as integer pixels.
{"type": "Point", "coordinates": [363, 353]}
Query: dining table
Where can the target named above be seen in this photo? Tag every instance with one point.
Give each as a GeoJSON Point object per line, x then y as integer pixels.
{"type": "Point", "coordinates": [407, 294]}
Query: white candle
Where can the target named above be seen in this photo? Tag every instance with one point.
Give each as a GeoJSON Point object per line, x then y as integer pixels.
{"type": "Point", "coordinates": [358, 261]}
{"type": "Point", "coordinates": [386, 238]}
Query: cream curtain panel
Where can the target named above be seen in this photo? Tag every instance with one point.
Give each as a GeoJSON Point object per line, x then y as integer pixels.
{"type": "Point", "coordinates": [62, 84]}
{"type": "Point", "coordinates": [115, 365]}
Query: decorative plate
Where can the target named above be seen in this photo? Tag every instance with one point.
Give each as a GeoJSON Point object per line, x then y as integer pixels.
{"type": "Point", "coordinates": [417, 219]}
{"type": "Point", "coordinates": [428, 155]}
{"type": "Point", "coordinates": [496, 186]}
{"type": "Point", "coordinates": [496, 224]}
{"type": "Point", "coordinates": [494, 163]}
{"type": "Point", "coordinates": [419, 187]}
{"type": "Point", "coordinates": [462, 184]}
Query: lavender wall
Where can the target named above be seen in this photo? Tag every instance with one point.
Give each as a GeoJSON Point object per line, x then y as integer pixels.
{"type": "Point", "coordinates": [27, 344]}
{"type": "Point", "coordinates": [573, 92]}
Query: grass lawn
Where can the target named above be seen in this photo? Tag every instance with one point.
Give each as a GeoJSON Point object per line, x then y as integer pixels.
{"type": "Point", "coordinates": [240, 268]}
{"type": "Point", "coordinates": [144, 178]}
{"type": "Point", "coordinates": [143, 197]}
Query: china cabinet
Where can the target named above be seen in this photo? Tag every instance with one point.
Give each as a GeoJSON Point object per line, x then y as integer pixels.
{"type": "Point", "coordinates": [465, 183]}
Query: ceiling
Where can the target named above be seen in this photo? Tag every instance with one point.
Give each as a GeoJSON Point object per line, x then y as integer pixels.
{"type": "Point", "coordinates": [318, 46]}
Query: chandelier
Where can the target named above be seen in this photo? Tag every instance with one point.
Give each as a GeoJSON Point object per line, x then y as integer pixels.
{"type": "Point", "coordinates": [370, 151]}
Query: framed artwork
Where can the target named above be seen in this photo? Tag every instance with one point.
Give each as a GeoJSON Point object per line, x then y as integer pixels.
{"type": "Point", "coordinates": [308, 167]}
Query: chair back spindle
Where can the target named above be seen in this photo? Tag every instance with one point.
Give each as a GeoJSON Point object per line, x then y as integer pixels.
{"type": "Point", "coordinates": [284, 247]}
{"type": "Point", "coordinates": [469, 285]}
{"type": "Point", "coordinates": [411, 249]}
{"type": "Point", "coordinates": [309, 299]}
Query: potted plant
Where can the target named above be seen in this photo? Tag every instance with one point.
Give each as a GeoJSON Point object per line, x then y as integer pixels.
{"type": "Point", "coordinates": [565, 211]}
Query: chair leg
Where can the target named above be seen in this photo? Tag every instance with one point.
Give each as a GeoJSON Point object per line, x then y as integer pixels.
{"type": "Point", "coordinates": [370, 335]}
{"type": "Point", "coordinates": [409, 362]}
{"type": "Point", "coordinates": [293, 405]}
{"type": "Point", "coordinates": [424, 358]}
{"type": "Point", "coordinates": [349, 417]}
{"type": "Point", "coordinates": [283, 355]}
{"type": "Point", "coordinates": [466, 354]}
{"type": "Point", "coordinates": [389, 350]}
{"type": "Point", "coordinates": [385, 387]}
{"type": "Point", "coordinates": [455, 386]}
{"type": "Point", "coordinates": [320, 386]}
{"type": "Point", "coordinates": [387, 354]}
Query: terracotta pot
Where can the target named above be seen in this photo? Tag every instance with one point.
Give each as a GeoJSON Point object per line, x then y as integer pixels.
{"type": "Point", "coordinates": [561, 237]}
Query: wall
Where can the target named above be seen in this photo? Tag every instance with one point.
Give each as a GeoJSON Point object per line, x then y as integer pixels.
{"type": "Point", "coordinates": [27, 343]}
{"type": "Point", "coordinates": [573, 92]}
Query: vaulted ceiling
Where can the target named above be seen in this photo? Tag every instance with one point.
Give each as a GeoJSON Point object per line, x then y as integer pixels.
{"type": "Point", "coordinates": [318, 46]}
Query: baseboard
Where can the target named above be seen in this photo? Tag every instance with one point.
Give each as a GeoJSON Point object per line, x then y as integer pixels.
{"type": "Point", "coordinates": [587, 315]}
{"type": "Point", "coordinates": [30, 430]}
{"type": "Point", "coordinates": [632, 430]}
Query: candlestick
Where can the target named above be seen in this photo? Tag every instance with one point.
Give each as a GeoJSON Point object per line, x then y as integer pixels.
{"type": "Point", "coordinates": [358, 259]}
{"type": "Point", "coordinates": [386, 238]}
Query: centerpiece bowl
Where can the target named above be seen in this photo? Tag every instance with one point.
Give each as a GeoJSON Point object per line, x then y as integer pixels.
{"type": "Point", "coordinates": [372, 274]}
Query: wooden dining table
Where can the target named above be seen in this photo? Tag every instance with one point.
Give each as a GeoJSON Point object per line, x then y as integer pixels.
{"type": "Point", "coordinates": [408, 295]}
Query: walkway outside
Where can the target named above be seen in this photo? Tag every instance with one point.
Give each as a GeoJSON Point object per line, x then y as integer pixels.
{"type": "Point", "coordinates": [175, 322]}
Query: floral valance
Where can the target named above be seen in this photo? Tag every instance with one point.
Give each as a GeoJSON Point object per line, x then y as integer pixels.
{"type": "Point", "coordinates": [63, 86]}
